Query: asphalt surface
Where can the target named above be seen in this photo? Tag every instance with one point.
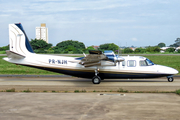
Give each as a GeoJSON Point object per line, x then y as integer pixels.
{"type": "Point", "coordinates": [100, 102]}
{"type": "Point", "coordinates": [68, 83]}
{"type": "Point", "coordinates": [89, 106]}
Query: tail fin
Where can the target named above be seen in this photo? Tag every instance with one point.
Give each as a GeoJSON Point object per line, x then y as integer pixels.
{"type": "Point", "coordinates": [18, 40]}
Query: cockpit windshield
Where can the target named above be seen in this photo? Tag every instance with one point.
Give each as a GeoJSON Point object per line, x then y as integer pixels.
{"type": "Point", "coordinates": [149, 62]}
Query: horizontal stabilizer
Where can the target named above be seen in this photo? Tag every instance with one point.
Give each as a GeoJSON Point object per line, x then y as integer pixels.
{"type": "Point", "coordinates": [14, 55]}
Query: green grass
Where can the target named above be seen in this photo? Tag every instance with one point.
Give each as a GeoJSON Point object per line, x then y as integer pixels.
{"type": "Point", "coordinates": [76, 91]}
{"type": "Point", "coordinates": [170, 61]}
{"type": "Point", "coordinates": [2, 52]}
{"type": "Point", "coordinates": [27, 90]}
{"type": "Point", "coordinates": [146, 53]}
{"type": "Point", "coordinates": [122, 91]}
{"type": "Point", "coordinates": [83, 91]}
{"type": "Point", "coordinates": [11, 90]}
{"type": "Point", "coordinates": [177, 92]}
{"type": "Point", "coordinates": [9, 68]}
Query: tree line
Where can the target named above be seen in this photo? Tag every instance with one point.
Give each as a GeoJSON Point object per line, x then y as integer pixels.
{"type": "Point", "coordinates": [76, 47]}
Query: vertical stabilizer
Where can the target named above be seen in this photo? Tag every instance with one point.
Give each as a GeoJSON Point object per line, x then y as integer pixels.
{"type": "Point", "coordinates": [18, 40]}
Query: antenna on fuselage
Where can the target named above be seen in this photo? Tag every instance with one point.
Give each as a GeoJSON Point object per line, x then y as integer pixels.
{"type": "Point", "coordinates": [118, 48]}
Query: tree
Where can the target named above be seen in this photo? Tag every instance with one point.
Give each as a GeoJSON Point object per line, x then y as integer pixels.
{"type": "Point", "coordinates": [4, 48]}
{"type": "Point", "coordinates": [170, 50]}
{"type": "Point", "coordinates": [90, 48]}
{"type": "Point", "coordinates": [140, 50]}
{"type": "Point", "coordinates": [128, 50]}
{"type": "Point", "coordinates": [153, 49]}
{"type": "Point", "coordinates": [178, 50]}
{"type": "Point", "coordinates": [162, 45]}
{"type": "Point", "coordinates": [109, 46]}
{"type": "Point", "coordinates": [69, 46]}
{"type": "Point", "coordinates": [50, 50]}
{"type": "Point", "coordinates": [177, 43]}
{"type": "Point", "coordinates": [174, 45]}
{"type": "Point", "coordinates": [40, 45]}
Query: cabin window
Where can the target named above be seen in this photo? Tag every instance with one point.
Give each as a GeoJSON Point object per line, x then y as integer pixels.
{"type": "Point", "coordinates": [123, 63]}
{"type": "Point", "coordinates": [131, 63]}
{"type": "Point", "coordinates": [142, 63]}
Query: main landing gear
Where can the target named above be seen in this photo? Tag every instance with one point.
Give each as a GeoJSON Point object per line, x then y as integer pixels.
{"type": "Point", "coordinates": [170, 78]}
{"type": "Point", "coordinates": [96, 79]}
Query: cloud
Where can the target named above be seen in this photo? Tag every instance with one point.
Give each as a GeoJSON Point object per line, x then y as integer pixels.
{"type": "Point", "coordinates": [97, 20]}
{"type": "Point", "coordinates": [134, 39]}
{"type": "Point", "coordinates": [71, 5]}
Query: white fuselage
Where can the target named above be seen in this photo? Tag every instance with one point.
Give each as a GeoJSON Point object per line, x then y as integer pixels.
{"type": "Point", "coordinates": [131, 67]}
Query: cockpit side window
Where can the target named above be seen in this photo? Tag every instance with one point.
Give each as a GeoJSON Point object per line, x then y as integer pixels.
{"type": "Point", "coordinates": [142, 63]}
{"type": "Point", "coordinates": [149, 62]}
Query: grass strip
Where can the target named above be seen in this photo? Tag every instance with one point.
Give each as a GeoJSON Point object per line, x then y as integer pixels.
{"type": "Point", "coordinates": [10, 90]}
{"type": "Point", "coordinates": [27, 90]}
{"type": "Point", "coordinates": [177, 92]}
{"type": "Point", "coordinates": [120, 90]}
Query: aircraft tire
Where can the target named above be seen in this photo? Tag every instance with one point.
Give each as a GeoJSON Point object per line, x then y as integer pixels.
{"type": "Point", "coordinates": [96, 80]}
{"type": "Point", "coordinates": [170, 79]}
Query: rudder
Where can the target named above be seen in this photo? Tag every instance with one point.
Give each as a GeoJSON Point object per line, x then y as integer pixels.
{"type": "Point", "coordinates": [18, 40]}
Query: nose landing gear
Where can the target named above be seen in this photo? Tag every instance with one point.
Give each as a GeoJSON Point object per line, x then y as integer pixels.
{"type": "Point", "coordinates": [170, 78]}
{"type": "Point", "coordinates": [96, 80]}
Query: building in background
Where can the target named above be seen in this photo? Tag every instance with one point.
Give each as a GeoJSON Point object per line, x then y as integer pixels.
{"type": "Point", "coordinates": [42, 32]}
{"type": "Point", "coordinates": [95, 47]}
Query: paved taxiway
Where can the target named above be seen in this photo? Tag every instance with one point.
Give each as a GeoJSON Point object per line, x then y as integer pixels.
{"type": "Point", "coordinates": [88, 106]}
{"type": "Point", "coordinates": [74, 83]}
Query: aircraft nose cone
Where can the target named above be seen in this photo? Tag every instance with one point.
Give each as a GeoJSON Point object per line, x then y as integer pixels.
{"type": "Point", "coordinates": [168, 70]}
{"type": "Point", "coordinates": [172, 71]}
{"type": "Point", "coordinates": [175, 71]}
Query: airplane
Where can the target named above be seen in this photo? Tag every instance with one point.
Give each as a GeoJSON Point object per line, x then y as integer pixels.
{"type": "Point", "coordinates": [97, 65]}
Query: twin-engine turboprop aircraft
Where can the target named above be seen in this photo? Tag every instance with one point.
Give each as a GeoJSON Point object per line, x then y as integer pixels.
{"type": "Point", "coordinates": [97, 65]}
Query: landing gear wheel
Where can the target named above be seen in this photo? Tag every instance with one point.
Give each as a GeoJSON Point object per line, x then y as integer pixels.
{"type": "Point", "coordinates": [170, 79]}
{"type": "Point", "coordinates": [96, 80]}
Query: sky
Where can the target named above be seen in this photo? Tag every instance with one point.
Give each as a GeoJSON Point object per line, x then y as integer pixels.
{"type": "Point", "coordinates": [95, 22]}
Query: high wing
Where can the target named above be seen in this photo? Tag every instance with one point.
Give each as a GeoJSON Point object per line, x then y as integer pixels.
{"type": "Point", "coordinates": [97, 58]}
